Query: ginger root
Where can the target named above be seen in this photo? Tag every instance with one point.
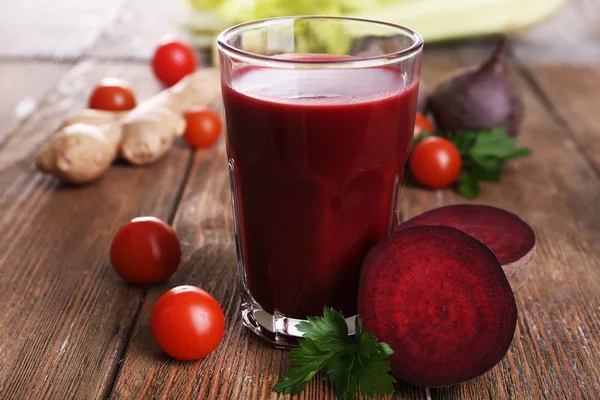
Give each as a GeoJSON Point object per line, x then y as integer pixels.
{"type": "Point", "coordinates": [107, 120]}
{"type": "Point", "coordinates": [202, 88]}
{"type": "Point", "coordinates": [83, 149]}
{"type": "Point", "coordinates": [148, 133]}
{"type": "Point", "coordinates": [87, 143]}
{"type": "Point", "coordinates": [150, 129]}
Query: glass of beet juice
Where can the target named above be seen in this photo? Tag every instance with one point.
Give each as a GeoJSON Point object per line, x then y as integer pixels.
{"type": "Point", "coordinates": [320, 115]}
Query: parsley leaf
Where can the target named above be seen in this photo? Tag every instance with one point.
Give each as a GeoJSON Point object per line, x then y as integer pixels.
{"type": "Point", "coordinates": [463, 141]}
{"type": "Point", "coordinates": [310, 360]}
{"type": "Point", "coordinates": [483, 154]}
{"type": "Point", "coordinates": [468, 184]}
{"type": "Point", "coordinates": [352, 363]}
{"type": "Point", "coordinates": [329, 332]}
{"type": "Point", "coordinates": [374, 376]}
{"type": "Point", "coordinates": [496, 143]}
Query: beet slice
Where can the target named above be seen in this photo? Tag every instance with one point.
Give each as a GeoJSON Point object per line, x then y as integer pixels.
{"type": "Point", "coordinates": [440, 299]}
{"type": "Point", "coordinates": [509, 237]}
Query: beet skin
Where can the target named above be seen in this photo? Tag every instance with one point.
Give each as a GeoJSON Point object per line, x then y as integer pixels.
{"type": "Point", "coordinates": [509, 237]}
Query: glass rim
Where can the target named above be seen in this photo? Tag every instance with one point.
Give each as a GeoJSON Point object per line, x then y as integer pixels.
{"type": "Point", "coordinates": [355, 62]}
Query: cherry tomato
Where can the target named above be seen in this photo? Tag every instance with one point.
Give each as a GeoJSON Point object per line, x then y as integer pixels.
{"type": "Point", "coordinates": [145, 250]}
{"type": "Point", "coordinates": [435, 162]}
{"type": "Point", "coordinates": [422, 124]}
{"type": "Point", "coordinates": [187, 323]}
{"type": "Point", "coordinates": [173, 60]}
{"type": "Point", "coordinates": [112, 94]}
{"type": "Point", "coordinates": [203, 127]}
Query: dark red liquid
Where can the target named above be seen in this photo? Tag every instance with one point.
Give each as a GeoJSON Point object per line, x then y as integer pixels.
{"type": "Point", "coordinates": [317, 158]}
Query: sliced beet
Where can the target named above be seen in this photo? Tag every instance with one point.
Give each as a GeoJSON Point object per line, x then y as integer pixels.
{"type": "Point", "coordinates": [509, 237]}
{"type": "Point", "coordinates": [439, 298]}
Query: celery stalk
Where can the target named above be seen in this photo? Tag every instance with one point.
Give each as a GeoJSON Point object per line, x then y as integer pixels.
{"type": "Point", "coordinates": [435, 20]}
{"type": "Point", "coordinates": [439, 20]}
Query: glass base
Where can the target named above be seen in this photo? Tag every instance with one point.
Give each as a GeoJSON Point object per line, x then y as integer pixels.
{"type": "Point", "coordinates": [277, 329]}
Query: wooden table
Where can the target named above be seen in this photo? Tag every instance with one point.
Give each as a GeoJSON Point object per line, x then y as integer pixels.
{"type": "Point", "coordinates": [71, 329]}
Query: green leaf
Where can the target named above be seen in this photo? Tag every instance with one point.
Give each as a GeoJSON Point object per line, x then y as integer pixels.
{"type": "Point", "coordinates": [374, 369]}
{"type": "Point", "coordinates": [310, 359]}
{"type": "Point", "coordinates": [488, 162]}
{"type": "Point", "coordinates": [468, 185]}
{"type": "Point", "coordinates": [328, 332]}
{"type": "Point", "coordinates": [352, 364]}
{"type": "Point", "coordinates": [369, 347]}
{"type": "Point", "coordinates": [480, 173]}
{"type": "Point", "coordinates": [496, 143]}
{"type": "Point", "coordinates": [357, 328]}
{"type": "Point", "coordinates": [484, 154]}
{"type": "Point", "coordinates": [296, 379]}
{"type": "Point", "coordinates": [341, 373]}
{"type": "Point", "coordinates": [375, 378]}
{"type": "Point", "coordinates": [520, 152]}
{"type": "Point", "coordinates": [463, 141]}
{"type": "Point", "coordinates": [308, 353]}
{"type": "Point", "coordinates": [385, 349]}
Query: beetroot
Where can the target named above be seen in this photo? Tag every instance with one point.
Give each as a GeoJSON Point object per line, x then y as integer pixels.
{"type": "Point", "coordinates": [509, 237]}
{"type": "Point", "coordinates": [439, 298]}
{"type": "Point", "coordinates": [479, 97]}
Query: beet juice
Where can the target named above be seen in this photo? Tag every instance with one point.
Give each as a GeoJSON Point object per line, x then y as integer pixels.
{"type": "Point", "coordinates": [316, 159]}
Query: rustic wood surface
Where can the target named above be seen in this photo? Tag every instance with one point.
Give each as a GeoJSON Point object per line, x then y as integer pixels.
{"type": "Point", "coordinates": [23, 85]}
{"type": "Point", "coordinates": [70, 329]}
{"type": "Point", "coordinates": [57, 29]}
{"type": "Point", "coordinates": [571, 37]}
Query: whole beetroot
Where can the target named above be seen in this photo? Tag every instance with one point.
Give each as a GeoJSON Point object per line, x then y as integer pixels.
{"type": "Point", "coordinates": [479, 98]}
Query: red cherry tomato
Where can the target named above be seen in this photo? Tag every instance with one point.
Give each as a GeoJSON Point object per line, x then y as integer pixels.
{"type": "Point", "coordinates": [112, 94]}
{"type": "Point", "coordinates": [435, 162]}
{"type": "Point", "coordinates": [145, 250]}
{"type": "Point", "coordinates": [422, 124]}
{"type": "Point", "coordinates": [173, 60]}
{"type": "Point", "coordinates": [187, 323]}
{"type": "Point", "coordinates": [203, 127]}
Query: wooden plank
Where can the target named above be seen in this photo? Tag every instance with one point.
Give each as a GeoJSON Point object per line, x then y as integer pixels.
{"type": "Point", "coordinates": [571, 36]}
{"type": "Point", "coordinates": [138, 28]}
{"type": "Point", "coordinates": [555, 353]}
{"type": "Point", "coordinates": [22, 86]}
{"type": "Point", "coordinates": [65, 316]}
{"type": "Point", "coordinates": [55, 29]}
{"type": "Point", "coordinates": [573, 92]}
{"type": "Point", "coordinates": [243, 367]}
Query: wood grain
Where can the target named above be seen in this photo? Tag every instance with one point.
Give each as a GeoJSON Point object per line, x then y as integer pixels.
{"type": "Point", "coordinates": [69, 328]}
{"type": "Point", "coordinates": [22, 86]}
{"type": "Point", "coordinates": [65, 316]}
{"type": "Point", "coordinates": [57, 29]}
{"type": "Point", "coordinates": [244, 367]}
{"type": "Point", "coordinates": [555, 353]}
{"type": "Point", "coordinates": [572, 93]}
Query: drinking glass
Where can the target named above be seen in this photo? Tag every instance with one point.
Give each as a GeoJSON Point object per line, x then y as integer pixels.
{"type": "Point", "coordinates": [320, 115]}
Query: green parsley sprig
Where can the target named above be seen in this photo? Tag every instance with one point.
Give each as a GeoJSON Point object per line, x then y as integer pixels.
{"type": "Point", "coordinates": [352, 363]}
{"type": "Point", "coordinates": [483, 154]}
